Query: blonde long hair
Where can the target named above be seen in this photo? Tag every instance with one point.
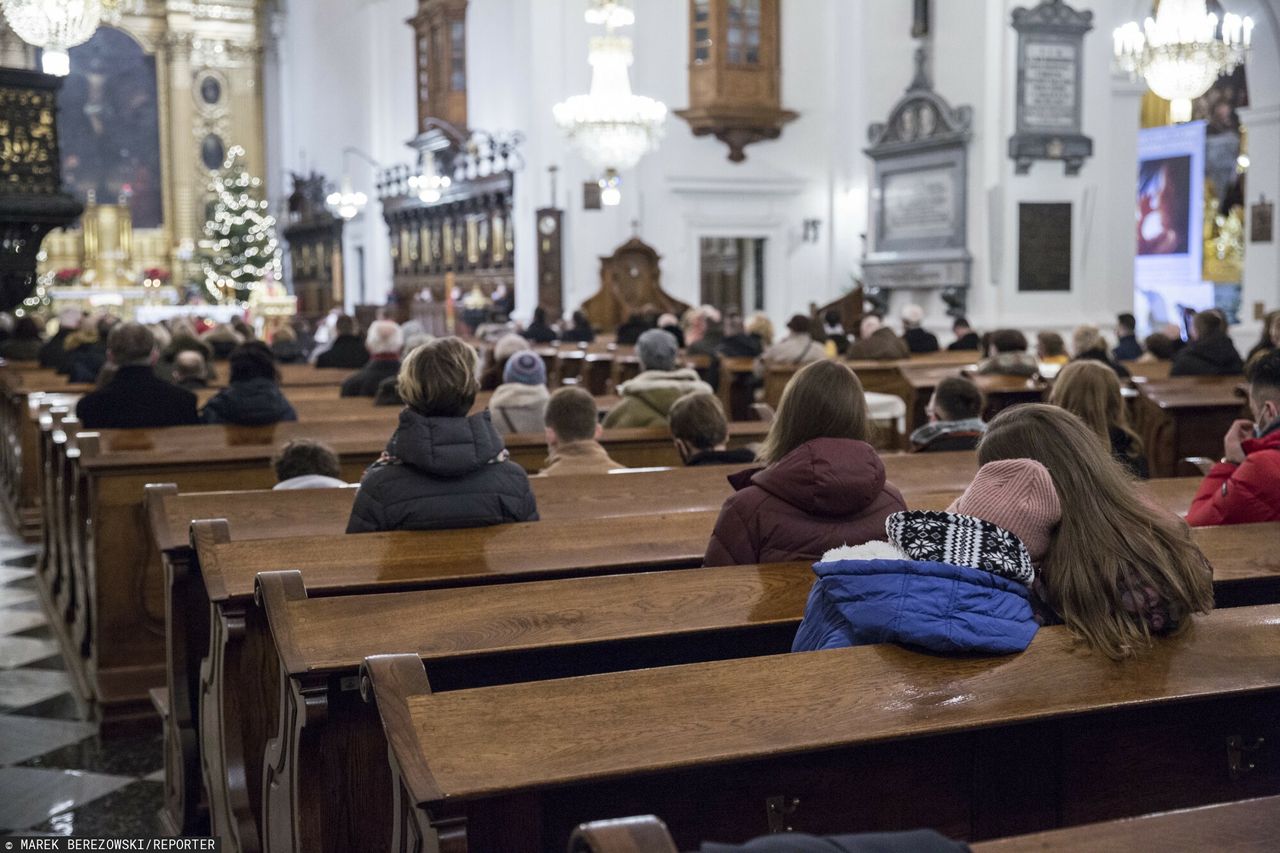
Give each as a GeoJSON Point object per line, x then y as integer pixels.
{"type": "Point", "coordinates": [823, 400]}
{"type": "Point", "coordinates": [1112, 543]}
{"type": "Point", "coordinates": [1090, 390]}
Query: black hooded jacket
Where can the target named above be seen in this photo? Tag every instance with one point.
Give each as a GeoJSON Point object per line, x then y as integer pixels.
{"type": "Point", "coordinates": [250, 402]}
{"type": "Point", "coordinates": [439, 474]}
{"type": "Point", "coordinates": [1215, 356]}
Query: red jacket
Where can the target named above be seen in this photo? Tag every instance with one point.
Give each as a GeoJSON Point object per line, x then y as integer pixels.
{"type": "Point", "coordinates": [1244, 493]}
{"type": "Point", "coordinates": [826, 493]}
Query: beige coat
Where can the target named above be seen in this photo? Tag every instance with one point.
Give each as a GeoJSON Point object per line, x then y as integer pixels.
{"type": "Point", "coordinates": [516, 407]}
{"type": "Point", "coordinates": [579, 457]}
{"type": "Point", "coordinates": [647, 399]}
{"type": "Point", "coordinates": [794, 350]}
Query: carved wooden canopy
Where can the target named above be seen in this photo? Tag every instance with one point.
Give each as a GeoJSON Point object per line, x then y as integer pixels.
{"type": "Point", "coordinates": [630, 279]}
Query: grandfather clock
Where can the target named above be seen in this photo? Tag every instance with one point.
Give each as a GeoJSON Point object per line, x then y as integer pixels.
{"type": "Point", "coordinates": [551, 260]}
{"type": "Point", "coordinates": [32, 201]}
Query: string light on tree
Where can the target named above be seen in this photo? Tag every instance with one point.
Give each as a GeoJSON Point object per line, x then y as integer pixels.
{"type": "Point", "coordinates": [240, 250]}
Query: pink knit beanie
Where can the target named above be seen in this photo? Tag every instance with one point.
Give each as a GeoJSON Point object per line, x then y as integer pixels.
{"type": "Point", "coordinates": [1017, 495]}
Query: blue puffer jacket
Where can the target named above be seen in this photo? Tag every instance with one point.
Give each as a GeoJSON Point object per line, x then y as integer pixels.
{"type": "Point", "coordinates": [936, 606]}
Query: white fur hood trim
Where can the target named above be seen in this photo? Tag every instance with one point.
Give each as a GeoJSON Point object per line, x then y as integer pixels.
{"type": "Point", "coordinates": [686, 380]}
{"type": "Point", "coordinates": [867, 551]}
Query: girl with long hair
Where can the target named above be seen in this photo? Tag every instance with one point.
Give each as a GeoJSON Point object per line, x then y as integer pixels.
{"type": "Point", "coordinates": [1091, 391]}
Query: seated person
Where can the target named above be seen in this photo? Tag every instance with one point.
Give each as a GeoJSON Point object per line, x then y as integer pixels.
{"type": "Point", "coordinates": [955, 581]}
{"type": "Point", "coordinates": [1245, 486]}
{"type": "Point", "coordinates": [135, 397]}
{"type": "Point", "coordinates": [442, 467]}
{"type": "Point", "coordinates": [1269, 342]}
{"type": "Point", "coordinates": [1091, 392]}
{"type": "Point", "coordinates": [637, 324]}
{"type": "Point", "coordinates": [834, 331]}
{"type": "Point", "coordinates": [1088, 344]}
{"type": "Point", "coordinates": [1127, 346]}
{"type": "Point", "coordinates": [648, 398]}
{"type": "Point", "coordinates": [966, 338]}
{"type": "Point", "coordinates": [383, 343]}
{"type": "Point", "coordinates": [822, 484]}
{"type": "Point", "coordinates": [285, 346]}
{"type": "Point", "coordinates": [346, 350]}
{"type": "Point", "coordinates": [190, 370]}
{"type": "Point", "coordinates": [1211, 352]}
{"type": "Point", "coordinates": [54, 353]}
{"type": "Point", "coordinates": [221, 340]}
{"type": "Point", "coordinates": [1158, 348]}
{"type": "Point", "coordinates": [253, 396]}
{"type": "Point", "coordinates": [519, 404]}
{"type": "Point", "coordinates": [87, 348]}
{"type": "Point", "coordinates": [25, 343]}
{"type": "Point", "coordinates": [1051, 349]}
{"type": "Point", "coordinates": [701, 433]}
{"type": "Point", "coordinates": [955, 418]}
{"type": "Point", "coordinates": [671, 323]}
{"type": "Point", "coordinates": [506, 346]}
{"type": "Point", "coordinates": [306, 464]}
{"type": "Point", "coordinates": [1007, 355]}
{"type": "Point", "coordinates": [797, 348]}
{"type": "Point", "coordinates": [579, 331]}
{"type": "Point", "coordinates": [1155, 576]}
{"type": "Point", "coordinates": [917, 339]}
{"type": "Point", "coordinates": [573, 436]}
{"type": "Point", "coordinates": [737, 341]}
{"type": "Point", "coordinates": [539, 331]}
{"type": "Point", "coordinates": [876, 342]}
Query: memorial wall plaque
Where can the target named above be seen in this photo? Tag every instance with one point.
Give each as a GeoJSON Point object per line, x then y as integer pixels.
{"type": "Point", "coordinates": [919, 200]}
{"type": "Point", "coordinates": [1049, 93]}
{"type": "Point", "coordinates": [1260, 218]}
{"type": "Point", "coordinates": [1044, 247]}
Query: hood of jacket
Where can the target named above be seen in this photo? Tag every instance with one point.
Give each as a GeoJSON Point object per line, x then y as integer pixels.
{"type": "Point", "coordinates": [829, 477]}
{"type": "Point", "coordinates": [446, 447]}
{"type": "Point", "coordinates": [1217, 350]}
{"type": "Point", "coordinates": [252, 402]}
{"type": "Point", "coordinates": [659, 389]}
{"type": "Point", "coordinates": [519, 395]}
{"type": "Point", "coordinates": [936, 606]}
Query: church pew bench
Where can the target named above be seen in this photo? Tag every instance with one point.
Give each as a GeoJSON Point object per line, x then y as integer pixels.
{"type": "Point", "coordinates": [315, 800]}
{"type": "Point", "coordinates": [847, 740]}
{"type": "Point", "coordinates": [376, 562]}
{"type": "Point", "coordinates": [1148, 371]}
{"type": "Point", "coordinates": [1186, 416]}
{"type": "Point", "coordinates": [1249, 826]}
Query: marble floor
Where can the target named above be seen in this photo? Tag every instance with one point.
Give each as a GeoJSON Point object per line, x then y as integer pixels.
{"type": "Point", "coordinates": [57, 777]}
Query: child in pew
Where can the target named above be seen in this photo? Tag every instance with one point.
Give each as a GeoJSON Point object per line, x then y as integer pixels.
{"type": "Point", "coordinates": [306, 464]}
{"type": "Point", "coordinates": [823, 484]}
{"type": "Point", "coordinates": [519, 404]}
{"type": "Point", "coordinates": [1091, 391]}
{"type": "Point", "coordinates": [1244, 486]}
{"type": "Point", "coordinates": [955, 418]}
{"type": "Point", "coordinates": [573, 436]}
{"type": "Point", "coordinates": [701, 433]}
{"type": "Point", "coordinates": [955, 581]}
{"type": "Point", "coordinates": [442, 468]}
{"type": "Point", "coordinates": [1118, 570]}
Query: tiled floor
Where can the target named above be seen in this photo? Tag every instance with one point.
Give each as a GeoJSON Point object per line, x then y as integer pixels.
{"type": "Point", "coordinates": [56, 775]}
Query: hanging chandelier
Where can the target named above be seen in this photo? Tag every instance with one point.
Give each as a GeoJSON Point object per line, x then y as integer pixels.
{"type": "Point", "coordinates": [610, 126]}
{"type": "Point", "coordinates": [54, 26]}
{"type": "Point", "coordinates": [346, 201]}
{"type": "Point", "coordinates": [429, 184]}
{"type": "Point", "coordinates": [1182, 51]}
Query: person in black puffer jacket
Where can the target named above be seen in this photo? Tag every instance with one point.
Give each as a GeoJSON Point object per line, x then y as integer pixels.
{"type": "Point", "coordinates": [1211, 353]}
{"type": "Point", "coordinates": [253, 398]}
{"type": "Point", "coordinates": [442, 469]}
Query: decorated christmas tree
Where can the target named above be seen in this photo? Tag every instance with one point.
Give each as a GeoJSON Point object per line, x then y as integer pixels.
{"type": "Point", "coordinates": [240, 251]}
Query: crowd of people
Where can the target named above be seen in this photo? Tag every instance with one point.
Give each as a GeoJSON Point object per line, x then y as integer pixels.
{"type": "Point", "coordinates": [1054, 528]}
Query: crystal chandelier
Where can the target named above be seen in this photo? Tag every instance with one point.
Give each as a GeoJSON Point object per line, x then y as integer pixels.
{"type": "Point", "coordinates": [53, 26]}
{"type": "Point", "coordinates": [429, 184]}
{"type": "Point", "coordinates": [346, 202]}
{"type": "Point", "coordinates": [1181, 52]}
{"type": "Point", "coordinates": [610, 126]}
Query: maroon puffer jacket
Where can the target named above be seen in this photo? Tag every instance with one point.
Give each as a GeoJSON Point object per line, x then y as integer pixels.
{"type": "Point", "coordinates": [826, 493]}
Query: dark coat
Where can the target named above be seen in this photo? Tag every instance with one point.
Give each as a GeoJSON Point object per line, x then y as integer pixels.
{"type": "Point", "coordinates": [347, 351]}
{"type": "Point", "coordinates": [741, 346]}
{"type": "Point", "coordinates": [732, 456]}
{"type": "Point", "coordinates": [251, 402]}
{"type": "Point", "coordinates": [918, 340]}
{"type": "Point", "coordinates": [629, 333]}
{"type": "Point", "coordinates": [1216, 356]}
{"type": "Point", "coordinates": [826, 493]}
{"type": "Point", "coordinates": [540, 333]}
{"type": "Point", "coordinates": [136, 398]}
{"type": "Point", "coordinates": [1127, 349]}
{"type": "Point", "coordinates": [54, 352]}
{"type": "Point", "coordinates": [366, 382]}
{"type": "Point", "coordinates": [87, 361]}
{"type": "Point", "coordinates": [288, 352]}
{"type": "Point", "coordinates": [442, 473]}
{"type": "Point", "coordinates": [970, 341]}
{"type": "Point", "coordinates": [388, 393]}
{"type": "Point", "coordinates": [26, 349]}
{"type": "Point", "coordinates": [579, 334]}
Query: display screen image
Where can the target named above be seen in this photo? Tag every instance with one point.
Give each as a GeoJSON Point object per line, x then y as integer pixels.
{"type": "Point", "coordinates": [1164, 206]}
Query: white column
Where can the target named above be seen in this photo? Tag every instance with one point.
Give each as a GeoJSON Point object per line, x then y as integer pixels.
{"type": "Point", "coordinates": [1261, 260]}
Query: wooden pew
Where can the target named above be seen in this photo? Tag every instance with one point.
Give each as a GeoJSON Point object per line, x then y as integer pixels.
{"type": "Point", "coordinates": [1186, 416]}
{"type": "Point", "coordinates": [379, 562]}
{"type": "Point", "coordinates": [847, 740]}
{"type": "Point", "coordinates": [470, 637]}
{"type": "Point", "coordinates": [1250, 826]}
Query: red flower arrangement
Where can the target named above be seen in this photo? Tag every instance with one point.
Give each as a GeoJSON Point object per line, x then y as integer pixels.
{"type": "Point", "coordinates": [68, 275]}
{"type": "Point", "coordinates": [156, 274]}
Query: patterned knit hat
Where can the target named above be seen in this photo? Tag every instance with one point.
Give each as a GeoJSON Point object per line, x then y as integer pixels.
{"type": "Point", "coordinates": [526, 368]}
{"type": "Point", "coordinates": [960, 540]}
{"type": "Point", "coordinates": [1017, 495]}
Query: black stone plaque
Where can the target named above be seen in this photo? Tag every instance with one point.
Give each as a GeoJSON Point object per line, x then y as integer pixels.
{"type": "Point", "coordinates": [1044, 247]}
